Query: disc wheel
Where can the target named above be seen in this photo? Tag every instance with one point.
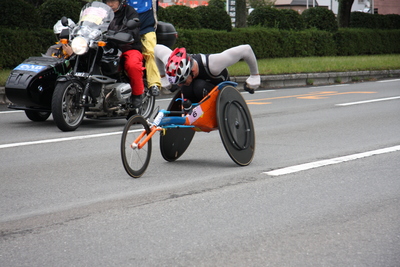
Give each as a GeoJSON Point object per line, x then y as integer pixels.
{"type": "Point", "coordinates": [67, 113]}
{"type": "Point", "coordinates": [134, 159]}
{"type": "Point", "coordinates": [175, 141]}
{"type": "Point", "coordinates": [148, 102]}
{"type": "Point", "coordinates": [34, 115]}
{"type": "Point", "coordinates": [235, 126]}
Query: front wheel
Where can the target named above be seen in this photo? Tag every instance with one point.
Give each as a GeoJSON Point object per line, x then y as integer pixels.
{"type": "Point", "coordinates": [134, 159]}
{"type": "Point", "coordinates": [67, 113]}
{"type": "Point", "coordinates": [34, 115]}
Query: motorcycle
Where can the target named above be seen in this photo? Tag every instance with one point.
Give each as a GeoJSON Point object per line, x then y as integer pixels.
{"type": "Point", "coordinates": [91, 84]}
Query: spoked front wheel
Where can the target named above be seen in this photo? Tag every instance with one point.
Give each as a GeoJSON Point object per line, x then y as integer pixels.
{"type": "Point", "coordinates": [67, 113]}
{"type": "Point", "coordinates": [135, 159]}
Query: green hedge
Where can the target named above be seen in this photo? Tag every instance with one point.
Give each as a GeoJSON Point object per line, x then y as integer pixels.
{"type": "Point", "coordinates": [19, 14]}
{"type": "Point", "coordinates": [367, 42]}
{"type": "Point", "coordinates": [17, 45]}
{"type": "Point", "coordinates": [374, 21]}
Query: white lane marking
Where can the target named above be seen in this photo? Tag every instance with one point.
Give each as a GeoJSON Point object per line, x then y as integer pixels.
{"type": "Point", "coordinates": [11, 111]}
{"type": "Point", "coordinates": [368, 101]}
{"type": "Point", "coordinates": [58, 140]}
{"type": "Point", "coordinates": [321, 163]}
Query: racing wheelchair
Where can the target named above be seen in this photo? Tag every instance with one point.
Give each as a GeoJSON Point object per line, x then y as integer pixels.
{"type": "Point", "coordinates": [223, 109]}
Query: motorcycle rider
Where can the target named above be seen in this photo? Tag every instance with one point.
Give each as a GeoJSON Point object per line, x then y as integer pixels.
{"type": "Point", "coordinates": [198, 74]}
{"type": "Point", "coordinates": [147, 10]}
{"type": "Point", "coordinates": [61, 50]}
{"type": "Point", "coordinates": [131, 58]}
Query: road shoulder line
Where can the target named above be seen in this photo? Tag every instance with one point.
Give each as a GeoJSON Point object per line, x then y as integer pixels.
{"type": "Point", "coordinates": [321, 163]}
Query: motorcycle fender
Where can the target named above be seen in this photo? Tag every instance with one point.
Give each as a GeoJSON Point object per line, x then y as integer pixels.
{"type": "Point", "coordinates": [62, 79]}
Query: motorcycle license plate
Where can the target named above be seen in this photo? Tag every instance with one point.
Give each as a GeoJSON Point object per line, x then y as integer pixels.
{"type": "Point", "coordinates": [81, 74]}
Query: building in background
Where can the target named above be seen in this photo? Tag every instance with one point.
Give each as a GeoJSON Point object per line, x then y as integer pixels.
{"type": "Point", "coordinates": [190, 3]}
{"type": "Point", "coordinates": [296, 5]}
{"type": "Point", "coordinates": [385, 7]}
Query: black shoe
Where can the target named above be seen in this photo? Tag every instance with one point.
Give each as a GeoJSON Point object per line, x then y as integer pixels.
{"type": "Point", "coordinates": [136, 101]}
{"type": "Point", "coordinates": [154, 90]}
{"type": "Point", "coordinates": [248, 89]}
{"type": "Point", "coordinates": [131, 113]}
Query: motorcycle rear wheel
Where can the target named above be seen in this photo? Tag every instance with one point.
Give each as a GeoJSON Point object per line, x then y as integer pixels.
{"type": "Point", "coordinates": [148, 102]}
{"type": "Point", "coordinates": [67, 114]}
{"type": "Point", "coordinates": [135, 160]}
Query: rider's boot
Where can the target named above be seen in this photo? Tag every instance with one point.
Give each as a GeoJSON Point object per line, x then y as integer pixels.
{"type": "Point", "coordinates": [135, 103]}
{"type": "Point", "coordinates": [154, 91]}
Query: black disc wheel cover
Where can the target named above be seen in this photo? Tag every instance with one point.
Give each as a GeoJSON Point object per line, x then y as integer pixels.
{"type": "Point", "coordinates": [235, 126]}
{"type": "Point", "coordinates": [175, 141]}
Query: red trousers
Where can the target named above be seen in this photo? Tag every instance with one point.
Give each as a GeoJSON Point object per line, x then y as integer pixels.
{"type": "Point", "coordinates": [133, 65]}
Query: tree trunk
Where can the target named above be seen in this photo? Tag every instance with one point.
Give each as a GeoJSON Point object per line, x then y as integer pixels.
{"type": "Point", "coordinates": [344, 13]}
{"type": "Point", "coordinates": [241, 13]}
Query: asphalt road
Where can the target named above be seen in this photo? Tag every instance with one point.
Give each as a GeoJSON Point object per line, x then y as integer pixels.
{"type": "Point", "coordinates": [323, 189]}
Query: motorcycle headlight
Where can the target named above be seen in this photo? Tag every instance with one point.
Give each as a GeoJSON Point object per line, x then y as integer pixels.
{"type": "Point", "coordinates": [79, 45]}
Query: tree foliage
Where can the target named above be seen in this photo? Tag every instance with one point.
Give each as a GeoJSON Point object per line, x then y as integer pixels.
{"type": "Point", "coordinates": [217, 4]}
{"type": "Point", "coordinates": [53, 10]}
{"type": "Point", "coordinates": [182, 17]}
{"type": "Point", "coordinates": [270, 17]}
{"type": "Point", "coordinates": [320, 18]}
{"type": "Point", "coordinates": [19, 14]}
{"type": "Point", "coordinates": [214, 18]}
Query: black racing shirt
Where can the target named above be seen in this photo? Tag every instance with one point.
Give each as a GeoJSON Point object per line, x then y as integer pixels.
{"type": "Point", "coordinates": [204, 70]}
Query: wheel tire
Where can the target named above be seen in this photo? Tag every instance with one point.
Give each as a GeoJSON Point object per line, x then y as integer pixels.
{"type": "Point", "coordinates": [235, 126]}
{"type": "Point", "coordinates": [37, 115]}
{"type": "Point", "coordinates": [66, 114]}
{"type": "Point", "coordinates": [148, 102]}
{"type": "Point", "coordinates": [136, 160]}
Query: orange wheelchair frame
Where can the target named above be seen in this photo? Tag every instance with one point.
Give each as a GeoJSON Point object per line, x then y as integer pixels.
{"type": "Point", "coordinates": [223, 109]}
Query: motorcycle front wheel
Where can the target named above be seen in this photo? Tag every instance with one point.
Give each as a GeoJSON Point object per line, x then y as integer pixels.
{"type": "Point", "coordinates": [148, 102]}
{"type": "Point", "coordinates": [134, 159]}
{"type": "Point", "coordinates": [67, 113]}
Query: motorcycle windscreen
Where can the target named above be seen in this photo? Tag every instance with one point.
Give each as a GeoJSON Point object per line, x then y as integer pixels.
{"type": "Point", "coordinates": [96, 15]}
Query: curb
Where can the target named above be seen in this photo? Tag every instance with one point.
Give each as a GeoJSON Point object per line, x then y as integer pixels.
{"type": "Point", "coordinates": [295, 80]}
{"type": "Point", "coordinates": [324, 78]}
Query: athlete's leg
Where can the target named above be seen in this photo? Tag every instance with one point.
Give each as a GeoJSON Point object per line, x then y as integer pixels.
{"type": "Point", "coordinates": [149, 41]}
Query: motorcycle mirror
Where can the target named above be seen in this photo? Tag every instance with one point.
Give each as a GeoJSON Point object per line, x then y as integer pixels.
{"type": "Point", "coordinates": [132, 24]}
{"type": "Point", "coordinates": [64, 21]}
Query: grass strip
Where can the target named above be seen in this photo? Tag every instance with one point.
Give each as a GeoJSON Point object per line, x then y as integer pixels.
{"type": "Point", "coordinates": [274, 66]}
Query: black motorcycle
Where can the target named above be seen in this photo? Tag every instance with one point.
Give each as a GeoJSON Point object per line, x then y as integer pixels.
{"type": "Point", "coordinates": [89, 84]}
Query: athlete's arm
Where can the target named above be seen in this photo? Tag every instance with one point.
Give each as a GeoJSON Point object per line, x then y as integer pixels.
{"type": "Point", "coordinates": [161, 53]}
{"type": "Point", "coordinates": [218, 62]}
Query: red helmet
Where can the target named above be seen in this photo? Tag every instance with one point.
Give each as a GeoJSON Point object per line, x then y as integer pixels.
{"type": "Point", "coordinates": [179, 65]}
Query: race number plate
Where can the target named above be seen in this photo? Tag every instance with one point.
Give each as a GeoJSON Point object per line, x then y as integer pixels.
{"type": "Point", "coordinates": [197, 112]}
